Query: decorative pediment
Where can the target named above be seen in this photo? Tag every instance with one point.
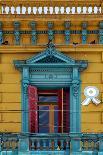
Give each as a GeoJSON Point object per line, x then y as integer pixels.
{"type": "Point", "coordinates": [49, 58]}
{"type": "Point", "coordinates": [50, 55]}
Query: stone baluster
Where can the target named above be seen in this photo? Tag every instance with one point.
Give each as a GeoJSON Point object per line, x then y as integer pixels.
{"type": "Point", "coordinates": [56, 144]}
{"type": "Point", "coordinates": [44, 144]}
{"type": "Point", "coordinates": [26, 12]}
{"type": "Point", "coordinates": [76, 11]}
{"type": "Point", "coordinates": [4, 11]}
{"type": "Point", "coordinates": [56, 10]}
{"type": "Point", "coordinates": [86, 9]}
{"type": "Point", "coordinates": [9, 10]}
{"type": "Point", "coordinates": [50, 144]}
{"type": "Point", "coordinates": [82, 10]}
{"type": "Point", "coordinates": [67, 145]}
{"type": "Point", "coordinates": [92, 9]}
{"type": "Point", "coordinates": [102, 8]}
{"type": "Point", "coordinates": [98, 9]}
{"type": "Point", "coordinates": [100, 145]}
{"type": "Point", "coordinates": [70, 10]}
{"type": "Point", "coordinates": [51, 10]}
{"type": "Point", "coordinates": [62, 144]}
{"type": "Point", "coordinates": [32, 144]}
{"type": "Point", "coordinates": [40, 10]}
{"type": "Point", "coordinates": [65, 10]}
{"type": "Point", "coordinates": [15, 12]}
{"type": "Point", "coordinates": [32, 12]}
{"type": "Point", "coordinates": [20, 9]}
{"type": "Point", "coordinates": [0, 9]}
{"type": "Point", "coordinates": [45, 10]}
{"type": "Point", "coordinates": [38, 145]}
{"type": "Point", "coordinates": [0, 145]}
{"type": "Point", "coordinates": [61, 10]}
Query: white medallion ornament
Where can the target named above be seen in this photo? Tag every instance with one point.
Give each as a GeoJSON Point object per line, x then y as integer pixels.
{"type": "Point", "coordinates": [91, 93]}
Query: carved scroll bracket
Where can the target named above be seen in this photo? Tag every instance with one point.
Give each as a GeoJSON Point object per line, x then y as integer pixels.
{"type": "Point", "coordinates": [75, 86]}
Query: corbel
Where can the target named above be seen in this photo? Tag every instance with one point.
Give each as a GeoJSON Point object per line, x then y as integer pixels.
{"type": "Point", "coordinates": [50, 31]}
{"type": "Point", "coordinates": [67, 32]}
{"type": "Point", "coordinates": [84, 32]}
{"type": "Point", "coordinates": [33, 33]}
{"type": "Point", "coordinates": [101, 32]}
{"type": "Point", "coordinates": [1, 33]}
{"type": "Point", "coordinates": [17, 32]}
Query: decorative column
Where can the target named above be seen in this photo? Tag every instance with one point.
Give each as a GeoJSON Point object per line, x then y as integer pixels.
{"type": "Point", "coordinates": [33, 33]}
{"type": "Point", "coordinates": [1, 34]}
{"type": "Point", "coordinates": [17, 33]}
{"type": "Point", "coordinates": [75, 112]}
{"type": "Point", "coordinates": [25, 82]}
{"type": "Point", "coordinates": [84, 32]}
{"type": "Point", "coordinates": [50, 31]}
{"type": "Point", "coordinates": [101, 33]}
{"type": "Point", "coordinates": [67, 32]}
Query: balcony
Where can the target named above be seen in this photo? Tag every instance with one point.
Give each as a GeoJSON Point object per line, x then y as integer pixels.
{"type": "Point", "coordinates": [58, 144]}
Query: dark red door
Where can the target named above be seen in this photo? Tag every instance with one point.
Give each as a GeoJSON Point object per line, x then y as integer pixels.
{"type": "Point", "coordinates": [33, 109]}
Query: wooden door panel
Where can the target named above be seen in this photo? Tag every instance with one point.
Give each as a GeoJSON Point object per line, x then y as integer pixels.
{"type": "Point", "coordinates": [33, 109]}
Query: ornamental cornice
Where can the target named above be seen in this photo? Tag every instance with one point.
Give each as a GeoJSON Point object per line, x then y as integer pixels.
{"type": "Point", "coordinates": [49, 17]}
{"type": "Point", "coordinates": [64, 48]}
{"type": "Point", "coordinates": [49, 2]}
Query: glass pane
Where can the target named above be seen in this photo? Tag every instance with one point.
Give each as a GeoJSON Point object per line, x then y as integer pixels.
{"type": "Point", "coordinates": [47, 98]}
{"type": "Point", "coordinates": [56, 119]}
{"type": "Point", "coordinates": [43, 119]}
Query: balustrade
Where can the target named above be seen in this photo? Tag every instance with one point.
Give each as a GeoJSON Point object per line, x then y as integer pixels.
{"type": "Point", "coordinates": [50, 142]}
{"type": "Point", "coordinates": [51, 10]}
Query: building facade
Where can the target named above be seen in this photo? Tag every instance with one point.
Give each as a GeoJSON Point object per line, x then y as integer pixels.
{"type": "Point", "coordinates": [50, 51]}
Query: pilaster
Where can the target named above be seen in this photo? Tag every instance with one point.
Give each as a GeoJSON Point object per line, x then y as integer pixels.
{"type": "Point", "coordinates": [75, 108]}
{"type": "Point", "coordinates": [25, 82]}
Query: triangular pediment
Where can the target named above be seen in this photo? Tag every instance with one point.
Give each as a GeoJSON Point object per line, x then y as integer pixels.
{"type": "Point", "coordinates": [50, 55]}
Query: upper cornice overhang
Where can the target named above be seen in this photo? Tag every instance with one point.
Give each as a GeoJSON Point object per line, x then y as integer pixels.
{"type": "Point", "coordinates": [49, 17]}
{"type": "Point", "coordinates": [38, 48]}
{"type": "Point", "coordinates": [51, 2]}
